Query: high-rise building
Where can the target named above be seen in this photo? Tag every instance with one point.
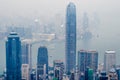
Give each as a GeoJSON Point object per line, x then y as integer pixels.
{"type": "Point", "coordinates": [25, 72]}
{"type": "Point", "coordinates": [42, 63]}
{"type": "Point", "coordinates": [70, 37]}
{"type": "Point", "coordinates": [27, 54]}
{"type": "Point", "coordinates": [58, 69]}
{"type": "Point", "coordinates": [109, 60]}
{"type": "Point", "coordinates": [13, 57]}
{"type": "Point", "coordinates": [82, 60]}
{"type": "Point", "coordinates": [87, 59]}
{"type": "Point", "coordinates": [92, 59]}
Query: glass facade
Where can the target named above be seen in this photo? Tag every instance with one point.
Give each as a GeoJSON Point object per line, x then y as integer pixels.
{"type": "Point", "coordinates": [87, 59]}
{"type": "Point", "coordinates": [70, 37]}
{"type": "Point", "coordinates": [13, 57]}
{"type": "Point", "coordinates": [42, 62]}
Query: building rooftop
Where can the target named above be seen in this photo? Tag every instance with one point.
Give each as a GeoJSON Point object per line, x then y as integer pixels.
{"type": "Point", "coordinates": [58, 61]}
{"type": "Point", "coordinates": [109, 51]}
{"type": "Point", "coordinates": [92, 51]}
{"type": "Point", "coordinates": [112, 70]}
{"type": "Point", "coordinates": [13, 34]}
{"type": "Point", "coordinates": [89, 51]}
{"type": "Point", "coordinates": [71, 4]}
{"type": "Point", "coordinates": [82, 50]}
{"type": "Point", "coordinates": [27, 41]}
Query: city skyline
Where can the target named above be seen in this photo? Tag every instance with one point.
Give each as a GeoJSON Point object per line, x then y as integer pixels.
{"type": "Point", "coordinates": [60, 33]}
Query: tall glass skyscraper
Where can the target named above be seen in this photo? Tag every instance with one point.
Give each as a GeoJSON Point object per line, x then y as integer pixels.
{"type": "Point", "coordinates": [109, 60]}
{"type": "Point", "coordinates": [13, 57]}
{"type": "Point", "coordinates": [87, 59]}
{"type": "Point", "coordinates": [70, 37]}
{"type": "Point", "coordinates": [42, 63]}
{"type": "Point", "coordinates": [26, 52]}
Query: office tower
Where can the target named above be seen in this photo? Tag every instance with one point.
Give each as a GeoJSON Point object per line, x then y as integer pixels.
{"type": "Point", "coordinates": [58, 69]}
{"type": "Point", "coordinates": [92, 60]}
{"type": "Point", "coordinates": [82, 60]}
{"type": "Point", "coordinates": [42, 63]}
{"type": "Point", "coordinates": [13, 57]}
{"type": "Point", "coordinates": [109, 60]}
{"type": "Point", "coordinates": [87, 59]}
{"type": "Point", "coordinates": [25, 72]}
{"type": "Point", "coordinates": [103, 76]}
{"type": "Point", "coordinates": [89, 74]}
{"type": "Point", "coordinates": [70, 37]}
{"type": "Point", "coordinates": [27, 54]}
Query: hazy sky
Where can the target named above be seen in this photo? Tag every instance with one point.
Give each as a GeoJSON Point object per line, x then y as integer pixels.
{"type": "Point", "coordinates": [51, 7]}
{"type": "Point", "coordinates": [107, 10]}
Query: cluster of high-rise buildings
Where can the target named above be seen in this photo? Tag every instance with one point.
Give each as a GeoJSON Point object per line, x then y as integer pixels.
{"type": "Point", "coordinates": [81, 66]}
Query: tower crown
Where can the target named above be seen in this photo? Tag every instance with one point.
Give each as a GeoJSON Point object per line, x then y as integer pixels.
{"type": "Point", "coordinates": [13, 34]}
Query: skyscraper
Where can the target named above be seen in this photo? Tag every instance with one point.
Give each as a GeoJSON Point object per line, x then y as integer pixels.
{"type": "Point", "coordinates": [92, 59]}
{"type": "Point", "coordinates": [58, 69]}
{"type": "Point", "coordinates": [82, 60]}
{"type": "Point", "coordinates": [87, 59]}
{"type": "Point", "coordinates": [26, 54]}
{"type": "Point", "coordinates": [70, 37]}
{"type": "Point", "coordinates": [25, 72]}
{"type": "Point", "coordinates": [13, 57]}
{"type": "Point", "coordinates": [42, 62]}
{"type": "Point", "coordinates": [109, 60]}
